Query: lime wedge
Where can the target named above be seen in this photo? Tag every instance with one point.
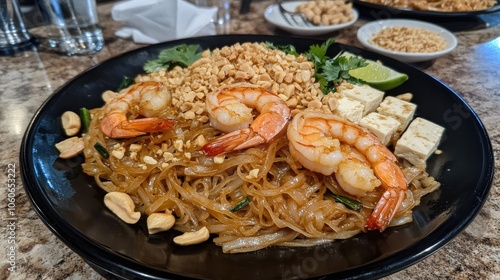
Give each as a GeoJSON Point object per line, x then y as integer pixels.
{"type": "Point", "coordinates": [379, 76]}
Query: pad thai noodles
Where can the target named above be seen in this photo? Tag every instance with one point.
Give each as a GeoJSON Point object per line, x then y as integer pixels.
{"type": "Point", "coordinates": [243, 142]}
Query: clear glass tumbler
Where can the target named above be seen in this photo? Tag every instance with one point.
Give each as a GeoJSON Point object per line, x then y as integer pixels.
{"type": "Point", "coordinates": [71, 26]}
{"type": "Point", "coordinates": [223, 16]}
{"type": "Point", "coordinates": [14, 36]}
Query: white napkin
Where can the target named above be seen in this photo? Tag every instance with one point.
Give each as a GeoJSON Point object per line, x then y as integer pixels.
{"type": "Point", "coordinates": [155, 21]}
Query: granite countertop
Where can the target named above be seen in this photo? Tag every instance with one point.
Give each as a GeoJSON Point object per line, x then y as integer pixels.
{"type": "Point", "coordinates": [27, 79]}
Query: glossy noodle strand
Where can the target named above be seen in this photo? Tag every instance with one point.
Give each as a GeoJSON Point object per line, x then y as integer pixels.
{"type": "Point", "coordinates": [166, 170]}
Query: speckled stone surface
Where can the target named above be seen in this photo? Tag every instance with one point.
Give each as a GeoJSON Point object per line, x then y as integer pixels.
{"type": "Point", "coordinates": [27, 79]}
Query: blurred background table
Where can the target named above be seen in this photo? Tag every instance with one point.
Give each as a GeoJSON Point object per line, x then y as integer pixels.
{"type": "Point", "coordinates": [27, 79]}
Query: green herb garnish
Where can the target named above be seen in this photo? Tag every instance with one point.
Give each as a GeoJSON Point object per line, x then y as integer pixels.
{"type": "Point", "coordinates": [85, 119]}
{"type": "Point", "coordinates": [330, 71]}
{"type": "Point", "coordinates": [126, 82]}
{"type": "Point", "coordinates": [348, 202]}
{"type": "Point", "coordinates": [288, 49]}
{"type": "Point", "coordinates": [102, 151]}
{"type": "Point", "coordinates": [337, 70]}
{"type": "Point", "coordinates": [240, 204]}
{"type": "Point", "coordinates": [182, 55]}
{"type": "Point", "coordinates": [317, 53]}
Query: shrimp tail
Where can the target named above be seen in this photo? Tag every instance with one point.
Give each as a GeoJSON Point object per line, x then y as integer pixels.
{"type": "Point", "coordinates": [361, 163]}
{"type": "Point", "coordinates": [393, 180]}
{"type": "Point", "coordinates": [230, 111]}
{"type": "Point", "coordinates": [386, 207]}
{"type": "Point", "coordinates": [117, 126]}
{"type": "Point", "coordinates": [236, 140]}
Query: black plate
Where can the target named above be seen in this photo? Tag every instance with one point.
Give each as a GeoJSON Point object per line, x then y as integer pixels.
{"type": "Point", "coordinates": [454, 21]}
{"type": "Point", "coordinates": [71, 204]}
{"type": "Point", "coordinates": [423, 13]}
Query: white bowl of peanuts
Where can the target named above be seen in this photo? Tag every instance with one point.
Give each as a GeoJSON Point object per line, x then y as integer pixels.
{"type": "Point", "coordinates": [407, 40]}
{"type": "Point", "coordinates": [326, 16]}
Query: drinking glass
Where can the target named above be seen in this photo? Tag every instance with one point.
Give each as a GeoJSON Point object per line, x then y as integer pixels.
{"type": "Point", "coordinates": [14, 35]}
{"type": "Point", "coordinates": [71, 26]}
{"type": "Point", "coordinates": [223, 15]}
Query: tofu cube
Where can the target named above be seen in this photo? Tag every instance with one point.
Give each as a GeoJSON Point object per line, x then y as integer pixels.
{"type": "Point", "coordinates": [382, 126]}
{"type": "Point", "coordinates": [401, 110]}
{"type": "Point", "coordinates": [419, 141]}
{"type": "Point", "coordinates": [368, 96]}
{"type": "Point", "coordinates": [349, 109]}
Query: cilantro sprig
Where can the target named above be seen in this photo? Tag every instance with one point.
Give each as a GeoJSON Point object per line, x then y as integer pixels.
{"type": "Point", "coordinates": [337, 69]}
{"type": "Point", "coordinates": [288, 49]}
{"type": "Point", "coordinates": [331, 71]}
{"type": "Point", "coordinates": [317, 53]}
{"type": "Point", "coordinates": [181, 55]}
{"type": "Point", "coordinates": [328, 71]}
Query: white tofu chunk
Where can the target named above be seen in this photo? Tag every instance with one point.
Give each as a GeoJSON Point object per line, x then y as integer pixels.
{"type": "Point", "coordinates": [401, 110]}
{"type": "Point", "coordinates": [349, 109]}
{"type": "Point", "coordinates": [382, 126]}
{"type": "Point", "coordinates": [368, 96]}
{"type": "Point", "coordinates": [419, 141]}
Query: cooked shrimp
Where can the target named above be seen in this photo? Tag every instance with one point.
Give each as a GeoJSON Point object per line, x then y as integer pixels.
{"type": "Point", "coordinates": [354, 173]}
{"type": "Point", "coordinates": [319, 142]}
{"type": "Point", "coordinates": [149, 98]}
{"type": "Point", "coordinates": [230, 110]}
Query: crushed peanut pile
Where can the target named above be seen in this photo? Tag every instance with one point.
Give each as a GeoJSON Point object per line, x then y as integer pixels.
{"type": "Point", "coordinates": [292, 78]}
{"type": "Point", "coordinates": [408, 39]}
{"type": "Point", "coordinates": [326, 12]}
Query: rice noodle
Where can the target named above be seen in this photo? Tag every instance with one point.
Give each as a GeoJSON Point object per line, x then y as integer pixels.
{"type": "Point", "coordinates": [289, 205]}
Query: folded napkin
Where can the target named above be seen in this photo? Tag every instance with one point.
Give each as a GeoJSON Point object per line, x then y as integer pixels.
{"type": "Point", "coordinates": [155, 21]}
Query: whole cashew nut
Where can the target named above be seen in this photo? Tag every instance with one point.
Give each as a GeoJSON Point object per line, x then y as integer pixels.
{"type": "Point", "coordinates": [71, 123]}
{"type": "Point", "coordinates": [158, 222]}
{"type": "Point", "coordinates": [195, 237]}
{"type": "Point", "coordinates": [70, 147]}
{"type": "Point", "coordinates": [123, 206]}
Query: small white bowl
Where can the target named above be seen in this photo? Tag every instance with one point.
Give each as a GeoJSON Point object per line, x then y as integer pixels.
{"type": "Point", "coordinates": [273, 15]}
{"type": "Point", "coordinates": [366, 32]}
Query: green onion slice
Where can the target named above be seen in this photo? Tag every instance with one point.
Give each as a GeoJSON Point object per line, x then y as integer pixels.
{"type": "Point", "coordinates": [241, 204]}
{"type": "Point", "coordinates": [127, 81]}
{"type": "Point", "coordinates": [85, 119]}
{"type": "Point", "coordinates": [102, 151]}
{"type": "Point", "coordinates": [348, 202]}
